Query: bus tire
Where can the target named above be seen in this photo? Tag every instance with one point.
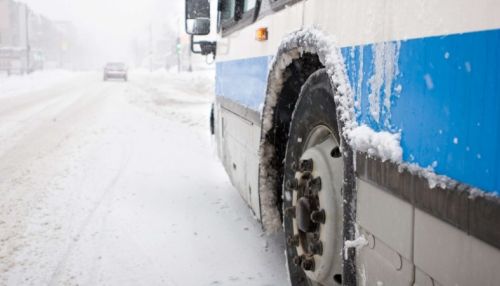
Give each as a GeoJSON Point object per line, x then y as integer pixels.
{"type": "Point", "coordinates": [313, 179]}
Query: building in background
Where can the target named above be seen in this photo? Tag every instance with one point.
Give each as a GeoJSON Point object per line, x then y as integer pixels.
{"type": "Point", "coordinates": [30, 42]}
{"type": "Point", "coordinates": [6, 23]}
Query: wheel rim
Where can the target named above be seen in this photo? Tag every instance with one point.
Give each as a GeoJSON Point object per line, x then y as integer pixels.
{"type": "Point", "coordinates": [316, 209]}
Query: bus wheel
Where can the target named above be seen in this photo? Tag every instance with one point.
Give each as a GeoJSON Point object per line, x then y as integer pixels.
{"type": "Point", "coordinates": [313, 178]}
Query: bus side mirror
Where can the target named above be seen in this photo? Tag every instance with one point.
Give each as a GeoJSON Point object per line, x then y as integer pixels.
{"type": "Point", "coordinates": [200, 26]}
{"type": "Point", "coordinates": [197, 17]}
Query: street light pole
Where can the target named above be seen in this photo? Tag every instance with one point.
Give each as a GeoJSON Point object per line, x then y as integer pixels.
{"type": "Point", "coordinates": [28, 47]}
{"type": "Point", "coordinates": [151, 47]}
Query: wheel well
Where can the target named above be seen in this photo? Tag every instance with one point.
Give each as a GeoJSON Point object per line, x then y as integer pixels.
{"type": "Point", "coordinates": [295, 76]}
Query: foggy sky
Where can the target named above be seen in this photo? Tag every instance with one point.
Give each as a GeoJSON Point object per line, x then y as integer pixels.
{"type": "Point", "coordinates": [110, 25]}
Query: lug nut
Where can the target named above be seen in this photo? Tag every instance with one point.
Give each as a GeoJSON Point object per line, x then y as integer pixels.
{"type": "Point", "coordinates": [306, 165]}
{"type": "Point", "coordinates": [293, 240]}
{"type": "Point", "coordinates": [297, 260]}
{"type": "Point", "coordinates": [307, 264]}
{"type": "Point", "coordinates": [292, 184]}
{"type": "Point", "coordinates": [316, 184]}
{"type": "Point", "coordinates": [306, 176]}
{"type": "Point", "coordinates": [318, 216]}
{"type": "Point", "coordinates": [336, 152]}
{"type": "Point", "coordinates": [316, 247]}
{"type": "Point", "coordinates": [290, 212]}
{"type": "Point", "coordinates": [315, 236]}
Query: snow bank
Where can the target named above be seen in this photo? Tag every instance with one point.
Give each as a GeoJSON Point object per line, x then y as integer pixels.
{"type": "Point", "coordinates": [19, 84]}
{"type": "Point", "coordinates": [192, 83]}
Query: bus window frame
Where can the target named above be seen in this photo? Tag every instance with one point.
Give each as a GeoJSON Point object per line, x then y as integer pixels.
{"type": "Point", "coordinates": [280, 4]}
{"type": "Point", "coordinates": [240, 19]}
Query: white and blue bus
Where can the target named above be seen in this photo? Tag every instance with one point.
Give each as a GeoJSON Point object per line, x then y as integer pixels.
{"type": "Point", "coordinates": [367, 130]}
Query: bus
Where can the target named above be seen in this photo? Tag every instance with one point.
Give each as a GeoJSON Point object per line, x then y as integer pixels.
{"type": "Point", "coordinates": [367, 131]}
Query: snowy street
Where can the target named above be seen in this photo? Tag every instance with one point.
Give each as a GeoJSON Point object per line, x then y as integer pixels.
{"type": "Point", "coordinates": [118, 183]}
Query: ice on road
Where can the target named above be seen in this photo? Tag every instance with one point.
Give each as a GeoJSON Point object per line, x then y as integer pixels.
{"type": "Point", "coordinates": [114, 183]}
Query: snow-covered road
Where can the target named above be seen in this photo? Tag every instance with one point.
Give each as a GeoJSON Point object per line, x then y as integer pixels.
{"type": "Point", "coordinates": [113, 183]}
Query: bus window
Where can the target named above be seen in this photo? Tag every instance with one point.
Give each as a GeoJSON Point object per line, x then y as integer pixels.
{"type": "Point", "coordinates": [228, 9]}
{"type": "Point", "coordinates": [280, 4]}
{"type": "Point", "coordinates": [249, 5]}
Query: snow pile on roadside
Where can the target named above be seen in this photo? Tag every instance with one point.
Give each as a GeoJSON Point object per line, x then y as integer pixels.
{"type": "Point", "coordinates": [200, 83]}
{"type": "Point", "coordinates": [19, 84]}
{"type": "Point", "coordinates": [185, 96]}
{"type": "Point", "coordinates": [383, 144]}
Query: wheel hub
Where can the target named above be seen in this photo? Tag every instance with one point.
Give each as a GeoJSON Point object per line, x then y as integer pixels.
{"type": "Point", "coordinates": [303, 215]}
{"type": "Point", "coordinates": [317, 210]}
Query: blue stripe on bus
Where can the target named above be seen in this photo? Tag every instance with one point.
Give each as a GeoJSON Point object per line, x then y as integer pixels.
{"type": "Point", "coordinates": [448, 108]}
{"type": "Point", "coordinates": [449, 105]}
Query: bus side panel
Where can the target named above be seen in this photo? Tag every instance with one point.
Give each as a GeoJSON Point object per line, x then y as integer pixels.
{"type": "Point", "coordinates": [240, 89]}
{"type": "Point", "coordinates": [241, 83]}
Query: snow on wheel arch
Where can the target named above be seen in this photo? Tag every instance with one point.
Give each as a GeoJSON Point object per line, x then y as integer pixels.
{"type": "Point", "coordinates": [313, 41]}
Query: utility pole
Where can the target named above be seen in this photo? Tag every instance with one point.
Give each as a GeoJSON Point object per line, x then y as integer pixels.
{"type": "Point", "coordinates": [178, 46]}
{"type": "Point", "coordinates": [151, 47]}
{"type": "Point", "coordinates": [190, 68]}
{"type": "Point", "coordinates": [178, 51]}
{"type": "Point", "coordinates": [28, 47]}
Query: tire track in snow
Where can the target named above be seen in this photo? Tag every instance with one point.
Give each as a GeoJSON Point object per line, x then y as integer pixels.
{"type": "Point", "coordinates": [18, 155]}
{"type": "Point", "coordinates": [17, 104]}
{"type": "Point", "coordinates": [52, 108]}
{"type": "Point", "coordinates": [107, 194]}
